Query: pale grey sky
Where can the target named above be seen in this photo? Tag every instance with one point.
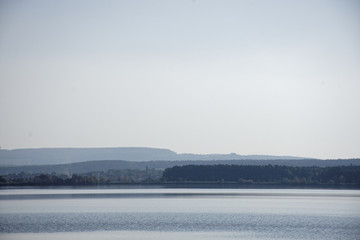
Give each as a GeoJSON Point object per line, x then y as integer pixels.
{"type": "Point", "coordinates": [251, 77]}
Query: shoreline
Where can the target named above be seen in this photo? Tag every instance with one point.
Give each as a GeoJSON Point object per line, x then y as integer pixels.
{"type": "Point", "coordinates": [209, 185]}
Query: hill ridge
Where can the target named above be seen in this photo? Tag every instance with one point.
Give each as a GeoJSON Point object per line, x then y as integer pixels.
{"type": "Point", "coordinates": [46, 156]}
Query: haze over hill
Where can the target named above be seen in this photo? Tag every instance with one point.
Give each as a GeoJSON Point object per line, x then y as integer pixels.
{"type": "Point", "coordinates": [49, 156]}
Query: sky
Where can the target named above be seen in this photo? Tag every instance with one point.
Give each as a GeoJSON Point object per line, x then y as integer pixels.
{"type": "Point", "coordinates": [277, 77]}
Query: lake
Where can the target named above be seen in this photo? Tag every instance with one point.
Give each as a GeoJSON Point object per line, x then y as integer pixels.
{"type": "Point", "coordinates": [175, 213]}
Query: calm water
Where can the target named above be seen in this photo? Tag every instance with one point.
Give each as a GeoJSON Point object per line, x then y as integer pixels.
{"type": "Point", "coordinates": [196, 214]}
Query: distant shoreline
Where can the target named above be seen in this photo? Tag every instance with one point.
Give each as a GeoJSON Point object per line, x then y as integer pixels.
{"type": "Point", "coordinates": [210, 185]}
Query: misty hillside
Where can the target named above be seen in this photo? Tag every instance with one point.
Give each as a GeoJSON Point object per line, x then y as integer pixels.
{"type": "Point", "coordinates": [48, 156]}
{"type": "Point", "coordinates": [94, 166]}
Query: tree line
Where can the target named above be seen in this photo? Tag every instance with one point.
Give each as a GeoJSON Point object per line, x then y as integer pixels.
{"type": "Point", "coordinates": [92, 178]}
{"type": "Point", "coordinates": [221, 173]}
{"type": "Point", "coordinates": [264, 174]}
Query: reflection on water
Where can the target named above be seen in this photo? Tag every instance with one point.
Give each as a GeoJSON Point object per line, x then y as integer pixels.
{"type": "Point", "coordinates": [135, 235]}
{"type": "Point", "coordinates": [179, 213]}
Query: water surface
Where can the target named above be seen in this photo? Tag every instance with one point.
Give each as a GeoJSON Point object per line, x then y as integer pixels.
{"type": "Point", "coordinates": [179, 214]}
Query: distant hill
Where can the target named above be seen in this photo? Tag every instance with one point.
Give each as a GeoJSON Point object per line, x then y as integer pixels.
{"type": "Point", "coordinates": [94, 166]}
{"type": "Point", "coordinates": [49, 156]}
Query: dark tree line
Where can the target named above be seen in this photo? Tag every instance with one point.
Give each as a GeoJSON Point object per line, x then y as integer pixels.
{"type": "Point", "coordinates": [92, 178]}
{"type": "Point", "coordinates": [264, 174]}
{"type": "Point", "coordinates": [267, 174]}
{"type": "Point", "coordinates": [48, 180]}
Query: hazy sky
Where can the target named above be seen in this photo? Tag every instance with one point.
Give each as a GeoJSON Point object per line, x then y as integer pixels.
{"type": "Point", "coordinates": [251, 77]}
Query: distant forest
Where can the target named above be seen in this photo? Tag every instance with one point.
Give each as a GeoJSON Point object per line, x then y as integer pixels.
{"type": "Point", "coordinates": [190, 174]}
{"type": "Point", "coordinates": [127, 176]}
{"type": "Point", "coordinates": [269, 174]}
